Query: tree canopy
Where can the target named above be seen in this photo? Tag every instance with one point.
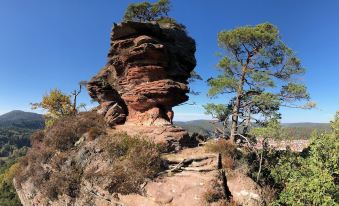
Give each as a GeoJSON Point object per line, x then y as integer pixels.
{"type": "Point", "coordinates": [146, 12]}
{"type": "Point", "coordinates": [260, 73]}
{"type": "Point", "coordinates": [57, 105]}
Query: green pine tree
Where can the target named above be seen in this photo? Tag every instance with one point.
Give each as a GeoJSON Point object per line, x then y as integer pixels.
{"type": "Point", "coordinates": [259, 71]}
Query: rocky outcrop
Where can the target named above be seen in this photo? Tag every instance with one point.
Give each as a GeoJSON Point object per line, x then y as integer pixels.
{"type": "Point", "coordinates": [244, 190]}
{"type": "Point", "coordinates": [145, 77]}
{"type": "Point", "coordinates": [189, 175]}
{"type": "Point", "coordinates": [146, 74]}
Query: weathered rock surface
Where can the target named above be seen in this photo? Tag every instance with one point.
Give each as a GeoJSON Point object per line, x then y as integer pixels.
{"type": "Point", "coordinates": [173, 138]}
{"type": "Point", "coordinates": [191, 175]}
{"type": "Point", "coordinates": [244, 190]}
{"type": "Point", "coordinates": [146, 75]}
{"type": "Point", "coordinates": [182, 185]}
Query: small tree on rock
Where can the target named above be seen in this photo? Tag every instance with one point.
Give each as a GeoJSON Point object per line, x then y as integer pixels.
{"type": "Point", "coordinates": [146, 12]}
{"type": "Point", "coordinates": [57, 105]}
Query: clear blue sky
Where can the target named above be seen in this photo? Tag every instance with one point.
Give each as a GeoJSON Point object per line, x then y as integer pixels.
{"type": "Point", "coordinates": [48, 44]}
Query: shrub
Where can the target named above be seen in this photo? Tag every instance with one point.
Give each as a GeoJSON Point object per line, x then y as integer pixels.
{"type": "Point", "coordinates": [60, 136]}
{"type": "Point", "coordinates": [134, 160]}
{"type": "Point", "coordinates": [269, 194]}
{"type": "Point", "coordinates": [65, 132]}
{"type": "Point", "coordinates": [227, 149]}
{"type": "Point", "coordinates": [212, 195]}
{"type": "Point", "coordinates": [215, 194]}
{"type": "Point", "coordinates": [313, 179]}
{"type": "Point", "coordinates": [8, 196]}
{"type": "Point", "coordinates": [228, 162]}
{"type": "Point", "coordinates": [66, 181]}
{"type": "Point", "coordinates": [94, 132]}
{"type": "Point", "coordinates": [37, 138]}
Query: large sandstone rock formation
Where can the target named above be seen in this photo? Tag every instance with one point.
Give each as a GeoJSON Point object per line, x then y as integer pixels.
{"type": "Point", "coordinates": [145, 77]}
{"type": "Point", "coordinates": [146, 74]}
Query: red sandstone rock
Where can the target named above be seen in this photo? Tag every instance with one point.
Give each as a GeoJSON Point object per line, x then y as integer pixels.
{"type": "Point", "coordinates": [146, 75]}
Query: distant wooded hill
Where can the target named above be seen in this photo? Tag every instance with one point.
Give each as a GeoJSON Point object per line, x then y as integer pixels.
{"type": "Point", "coordinates": [21, 119]}
{"type": "Point", "coordinates": [295, 130]}
{"type": "Point", "coordinates": [16, 128]}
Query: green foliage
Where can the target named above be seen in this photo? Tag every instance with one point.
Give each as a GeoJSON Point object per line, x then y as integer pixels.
{"type": "Point", "coordinates": [294, 91]}
{"type": "Point", "coordinates": [146, 12]}
{"type": "Point", "coordinates": [260, 70]}
{"type": "Point", "coordinates": [8, 196]}
{"type": "Point", "coordinates": [335, 123]}
{"type": "Point", "coordinates": [57, 105]}
{"type": "Point", "coordinates": [312, 179]}
{"type": "Point", "coordinates": [219, 111]}
{"type": "Point", "coordinates": [14, 142]}
{"type": "Point", "coordinates": [273, 130]}
{"type": "Point", "coordinates": [8, 169]}
{"type": "Point", "coordinates": [12, 139]}
{"type": "Point", "coordinates": [221, 85]}
{"type": "Point", "coordinates": [257, 37]}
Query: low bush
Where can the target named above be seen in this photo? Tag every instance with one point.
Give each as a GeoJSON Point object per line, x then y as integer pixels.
{"type": "Point", "coordinates": [227, 149]}
{"type": "Point", "coordinates": [65, 132]}
{"type": "Point", "coordinates": [66, 181]}
{"type": "Point", "coordinates": [37, 138]}
{"type": "Point", "coordinates": [213, 195]}
{"type": "Point", "coordinates": [269, 194]}
{"type": "Point", "coordinates": [51, 146]}
{"type": "Point", "coordinates": [54, 168]}
{"type": "Point", "coordinates": [134, 160]}
{"type": "Point", "coordinates": [223, 146]}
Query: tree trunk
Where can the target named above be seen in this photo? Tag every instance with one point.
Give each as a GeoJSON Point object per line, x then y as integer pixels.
{"type": "Point", "coordinates": [236, 107]}
{"type": "Point", "coordinates": [260, 165]}
{"type": "Point", "coordinates": [248, 120]}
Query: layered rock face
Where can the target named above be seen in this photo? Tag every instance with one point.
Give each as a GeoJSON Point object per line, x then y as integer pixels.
{"type": "Point", "coordinates": [146, 74]}
{"type": "Point", "coordinates": [145, 77]}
